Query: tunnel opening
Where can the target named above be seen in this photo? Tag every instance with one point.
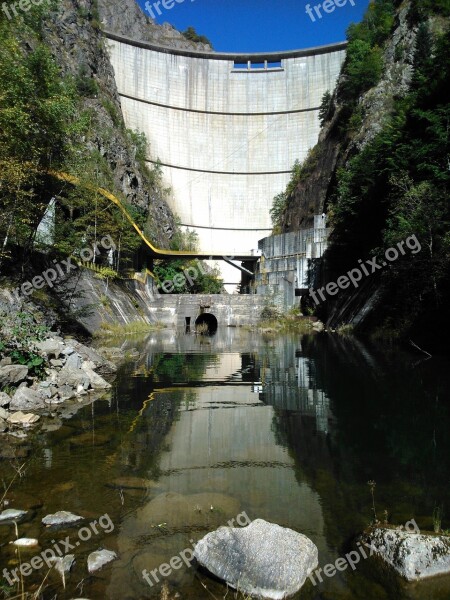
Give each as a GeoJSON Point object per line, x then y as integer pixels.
{"type": "Point", "coordinates": [206, 323]}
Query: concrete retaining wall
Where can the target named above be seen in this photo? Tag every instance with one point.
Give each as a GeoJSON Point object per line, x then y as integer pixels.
{"type": "Point", "coordinates": [229, 310]}
{"type": "Point", "coordinates": [287, 261]}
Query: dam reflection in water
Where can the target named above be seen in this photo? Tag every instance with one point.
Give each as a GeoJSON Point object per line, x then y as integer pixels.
{"type": "Point", "coordinates": [198, 430]}
{"type": "Point", "coordinates": [283, 430]}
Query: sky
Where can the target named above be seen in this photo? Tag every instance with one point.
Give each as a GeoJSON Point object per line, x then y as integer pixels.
{"type": "Point", "coordinates": [260, 25]}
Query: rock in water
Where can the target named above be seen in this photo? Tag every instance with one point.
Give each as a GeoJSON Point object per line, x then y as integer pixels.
{"type": "Point", "coordinates": [24, 419]}
{"type": "Point", "coordinates": [63, 565]}
{"type": "Point", "coordinates": [413, 556]}
{"type": "Point", "coordinates": [132, 483]}
{"type": "Point", "coordinates": [61, 518]}
{"type": "Point", "coordinates": [263, 559]}
{"type": "Point", "coordinates": [26, 543]}
{"type": "Point", "coordinates": [100, 558]}
{"type": "Point", "coordinates": [11, 514]}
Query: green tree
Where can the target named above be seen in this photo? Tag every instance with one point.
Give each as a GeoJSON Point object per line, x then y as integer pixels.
{"type": "Point", "coordinates": [325, 107]}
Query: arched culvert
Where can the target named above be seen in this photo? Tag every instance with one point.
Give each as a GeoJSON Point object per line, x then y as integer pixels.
{"type": "Point", "coordinates": [206, 322]}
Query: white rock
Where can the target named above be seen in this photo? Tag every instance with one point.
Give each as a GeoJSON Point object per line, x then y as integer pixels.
{"type": "Point", "coordinates": [25, 543]}
{"type": "Point", "coordinates": [74, 361]}
{"type": "Point", "coordinates": [12, 374]}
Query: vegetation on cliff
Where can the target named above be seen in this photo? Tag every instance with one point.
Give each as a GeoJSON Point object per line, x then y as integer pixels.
{"type": "Point", "coordinates": [45, 125]}
{"type": "Point", "coordinates": [191, 35]}
{"type": "Point", "coordinates": [393, 183]}
{"type": "Point", "coordinates": [61, 114]}
{"type": "Point", "coordinates": [203, 278]}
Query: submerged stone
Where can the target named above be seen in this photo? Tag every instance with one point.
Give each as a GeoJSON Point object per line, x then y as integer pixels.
{"type": "Point", "coordinates": [100, 558]}
{"type": "Point", "coordinates": [61, 517]}
{"type": "Point", "coordinates": [63, 565]}
{"type": "Point", "coordinates": [132, 483]}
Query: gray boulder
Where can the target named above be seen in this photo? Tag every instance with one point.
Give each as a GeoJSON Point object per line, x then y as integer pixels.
{"type": "Point", "coordinates": [73, 377]}
{"type": "Point", "coordinates": [66, 392]}
{"type": "Point", "coordinates": [3, 426]}
{"type": "Point", "coordinates": [26, 399]}
{"type": "Point", "coordinates": [413, 556]}
{"type": "Point", "coordinates": [11, 374]}
{"type": "Point", "coordinates": [74, 361]}
{"type": "Point", "coordinates": [97, 381]}
{"type": "Point", "coordinates": [4, 399]}
{"type": "Point", "coordinates": [263, 559]}
{"type": "Point", "coordinates": [50, 347]}
{"type": "Point", "coordinates": [102, 365]}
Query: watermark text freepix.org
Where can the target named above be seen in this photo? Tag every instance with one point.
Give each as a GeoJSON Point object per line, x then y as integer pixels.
{"type": "Point", "coordinates": [328, 6]}
{"type": "Point", "coordinates": [154, 9]}
{"type": "Point", "coordinates": [354, 276]}
{"type": "Point", "coordinates": [22, 5]}
{"type": "Point", "coordinates": [60, 270]}
{"type": "Point", "coordinates": [59, 549]}
{"type": "Point", "coordinates": [354, 557]}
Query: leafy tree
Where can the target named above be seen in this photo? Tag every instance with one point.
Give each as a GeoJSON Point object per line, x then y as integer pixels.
{"type": "Point", "coordinates": [363, 68]}
{"type": "Point", "coordinates": [325, 108]}
{"type": "Point", "coordinates": [277, 211]}
{"type": "Point", "coordinates": [37, 120]}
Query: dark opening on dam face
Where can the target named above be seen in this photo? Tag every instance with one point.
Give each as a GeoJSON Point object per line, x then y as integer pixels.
{"type": "Point", "coordinates": [208, 320]}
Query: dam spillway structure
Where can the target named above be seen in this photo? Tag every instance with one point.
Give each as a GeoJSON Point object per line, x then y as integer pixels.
{"type": "Point", "coordinates": [226, 130]}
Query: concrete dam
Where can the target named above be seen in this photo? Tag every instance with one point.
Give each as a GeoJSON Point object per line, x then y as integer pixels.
{"type": "Point", "coordinates": [225, 128]}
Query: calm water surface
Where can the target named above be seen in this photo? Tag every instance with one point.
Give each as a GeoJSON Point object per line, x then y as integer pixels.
{"type": "Point", "coordinates": [288, 429]}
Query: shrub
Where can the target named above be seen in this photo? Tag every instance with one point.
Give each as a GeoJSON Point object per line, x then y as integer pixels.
{"type": "Point", "coordinates": [191, 35]}
{"type": "Point", "coordinates": [18, 334]}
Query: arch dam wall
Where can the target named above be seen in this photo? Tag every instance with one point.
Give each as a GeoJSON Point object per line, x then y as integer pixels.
{"type": "Point", "coordinates": [225, 128]}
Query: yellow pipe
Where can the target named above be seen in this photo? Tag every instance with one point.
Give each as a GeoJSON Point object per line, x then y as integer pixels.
{"type": "Point", "coordinates": [157, 252]}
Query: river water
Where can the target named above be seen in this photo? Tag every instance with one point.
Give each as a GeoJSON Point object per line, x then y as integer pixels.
{"type": "Point", "coordinates": [199, 430]}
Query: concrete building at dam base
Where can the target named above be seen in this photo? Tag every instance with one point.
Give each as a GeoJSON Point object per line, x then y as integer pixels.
{"type": "Point", "coordinates": [227, 130]}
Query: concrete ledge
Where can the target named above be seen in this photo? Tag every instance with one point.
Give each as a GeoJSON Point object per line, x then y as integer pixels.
{"type": "Point", "coordinates": [240, 58]}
